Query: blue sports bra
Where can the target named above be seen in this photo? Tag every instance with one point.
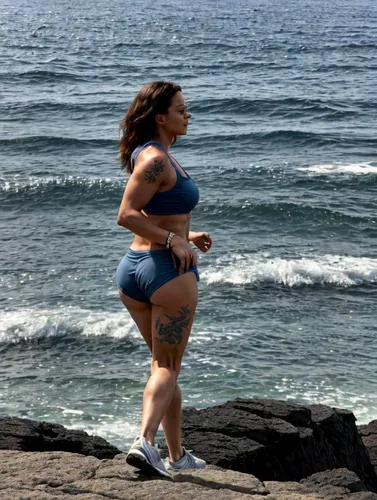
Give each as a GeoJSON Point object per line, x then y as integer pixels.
{"type": "Point", "coordinates": [180, 199]}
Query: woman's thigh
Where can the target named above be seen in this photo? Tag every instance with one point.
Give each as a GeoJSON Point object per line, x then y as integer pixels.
{"type": "Point", "coordinates": [173, 311]}
{"type": "Point", "coordinates": [141, 313]}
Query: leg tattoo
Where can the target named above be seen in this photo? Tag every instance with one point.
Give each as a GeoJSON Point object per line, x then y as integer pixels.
{"type": "Point", "coordinates": [172, 332]}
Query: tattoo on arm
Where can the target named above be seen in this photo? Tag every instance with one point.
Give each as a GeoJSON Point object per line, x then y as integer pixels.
{"type": "Point", "coordinates": [172, 332]}
{"type": "Point", "coordinates": [151, 174]}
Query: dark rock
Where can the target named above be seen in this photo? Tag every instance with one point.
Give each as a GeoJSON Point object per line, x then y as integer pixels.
{"type": "Point", "coordinates": [270, 408]}
{"type": "Point", "coordinates": [233, 453]}
{"type": "Point", "coordinates": [368, 434]}
{"type": "Point", "coordinates": [337, 477]}
{"type": "Point", "coordinates": [29, 435]}
{"type": "Point", "coordinates": [364, 495]}
{"type": "Point", "coordinates": [275, 441]}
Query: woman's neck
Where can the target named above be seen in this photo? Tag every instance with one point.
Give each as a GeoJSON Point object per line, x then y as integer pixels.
{"type": "Point", "coordinates": [164, 139]}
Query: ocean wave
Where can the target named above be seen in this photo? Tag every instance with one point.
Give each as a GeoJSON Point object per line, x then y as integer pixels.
{"type": "Point", "coordinates": [327, 270]}
{"type": "Point", "coordinates": [27, 110]}
{"type": "Point", "coordinates": [289, 211]}
{"type": "Point", "coordinates": [352, 45]}
{"type": "Point", "coordinates": [45, 144]}
{"type": "Point", "coordinates": [41, 76]}
{"type": "Point", "coordinates": [362, 168]}
{"type": "Point", "coordinates": [35, 324]}
{"type": "Point", "coordinates": [274, 106]}
{"type": "Point", "coordinates": [280, 137]}
{"type": "Point", "coordinates": [55, 189]}
{"type": "Point", "coordinates": [332, 67]}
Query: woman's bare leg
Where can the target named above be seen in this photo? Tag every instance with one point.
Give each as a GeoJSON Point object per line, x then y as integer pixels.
{"type": "Point", "coordinates": [173, 310]}
{"type": "Point", "coordinates": [171, 424]}
{"type": "Point", "coordinates": [141, 313]}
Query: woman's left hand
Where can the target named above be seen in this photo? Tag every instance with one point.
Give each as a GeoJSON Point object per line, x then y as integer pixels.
{"type": "Point", "coordinates": [201, 240]}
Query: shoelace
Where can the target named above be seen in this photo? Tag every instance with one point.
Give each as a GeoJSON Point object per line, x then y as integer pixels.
{"type": "Point", "coordinates": [156, 447]}
{"type": "Point", "coordinates": [190, 459]}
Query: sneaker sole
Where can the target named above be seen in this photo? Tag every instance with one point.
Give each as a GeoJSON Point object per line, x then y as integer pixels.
{"type": "Point", "coordinates": [138, 460]}
{"type": "Point", "coordinates": [173, 469]}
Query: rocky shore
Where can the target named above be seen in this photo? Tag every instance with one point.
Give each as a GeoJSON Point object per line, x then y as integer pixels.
{"type": "Point", "coordinates": [257, 449]}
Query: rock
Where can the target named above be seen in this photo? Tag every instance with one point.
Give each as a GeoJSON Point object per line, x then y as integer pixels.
{"type": "Point", "coordinates": [217, 478]}
{"type": "Point", "coordinates": [292, 490]}
{"type": "Point", "coordinates": [67, 476]}
{"type": "Point", "coordinates": [29, 435]}
{"type": "Point", "coordinates": [276, 441]}
{"type": "Point", "coordinates": [338, 477]}
{"type": "Point", "coordinates": [368, 434]}
{"type": "Point", "coordinates": [316, 450]}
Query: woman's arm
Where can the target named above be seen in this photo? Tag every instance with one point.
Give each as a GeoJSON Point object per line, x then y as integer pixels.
{"type": "Point", "coordinates": [149, 173]}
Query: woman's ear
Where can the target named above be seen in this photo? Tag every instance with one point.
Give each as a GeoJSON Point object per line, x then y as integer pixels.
{"type": "Point", "coordinates": [160, 119]}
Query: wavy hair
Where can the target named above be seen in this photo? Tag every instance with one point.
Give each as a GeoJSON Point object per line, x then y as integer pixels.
{"type": "Point", "coordinates": [139, 124]}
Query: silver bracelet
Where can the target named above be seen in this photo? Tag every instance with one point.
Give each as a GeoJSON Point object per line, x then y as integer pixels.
{"type": "Point", "coordinates": [168, 240]}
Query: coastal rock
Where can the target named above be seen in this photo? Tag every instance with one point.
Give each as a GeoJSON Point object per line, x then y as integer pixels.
{"type": "Point", "coordinates": [276, 441]}
{"type": "Point", "coordinates": [317, 452]}
{"type": "Point", "coordinates": [342, 478]}
{"type": "Point", "coordinates": [67, 476]}
{"type": "Point", "coordinates": [29, 435]}
{"type": "Point", "coordinates": [368, 434]}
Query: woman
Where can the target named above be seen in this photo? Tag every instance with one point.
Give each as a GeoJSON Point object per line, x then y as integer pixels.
{"type": "Point", "coordinates": [157, 278]}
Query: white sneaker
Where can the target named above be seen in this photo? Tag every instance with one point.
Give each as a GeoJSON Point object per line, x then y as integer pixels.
{"type": "Point", "coordinates": [188, 461]}
{"type": "Point", "coordinates": [147, 458]}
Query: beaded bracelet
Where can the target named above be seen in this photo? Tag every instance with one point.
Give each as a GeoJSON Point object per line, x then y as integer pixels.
{"type": "Point", "coordinates": [169, 239]}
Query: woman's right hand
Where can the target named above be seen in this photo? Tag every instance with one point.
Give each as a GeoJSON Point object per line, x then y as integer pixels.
{"type": "Point", "coordinates": [184, 256]}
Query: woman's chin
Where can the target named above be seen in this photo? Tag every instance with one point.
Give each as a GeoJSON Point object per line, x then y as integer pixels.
{"type": "Point", "coordinates": [182, 131]}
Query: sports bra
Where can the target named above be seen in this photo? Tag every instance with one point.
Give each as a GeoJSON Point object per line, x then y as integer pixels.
{"type": "Point", "coordinates": [180, 199]}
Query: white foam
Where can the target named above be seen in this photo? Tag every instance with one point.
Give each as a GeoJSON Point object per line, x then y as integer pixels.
{"type": "Point", "coordinates": [68, 411]}
{"type": "Point", "coordinates": [323, 270]}
{"type": "Point", "coordinates": [361, 168]}
{"type": "Point", "coordinates": [364, 406]}
{"type": "Point", "coordinates": [37, 324]}
{"type": "Point", "coordinates": [35, 183]}
{"type": "Point", "coordinates": [118, 432]}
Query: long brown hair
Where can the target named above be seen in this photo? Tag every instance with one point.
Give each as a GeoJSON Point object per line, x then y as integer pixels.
{"type": "Point", "coordinates": [139, 124]}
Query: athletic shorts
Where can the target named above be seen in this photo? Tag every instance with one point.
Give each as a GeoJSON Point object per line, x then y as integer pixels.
{"type": "Point", "coordinates": [141, 273]}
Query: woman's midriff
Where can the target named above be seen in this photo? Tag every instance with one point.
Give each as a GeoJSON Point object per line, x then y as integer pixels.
{"type": "Point", "coordinates": [177, 224]}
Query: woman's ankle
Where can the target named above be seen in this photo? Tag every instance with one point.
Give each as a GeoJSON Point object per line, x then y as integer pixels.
{"type": "Point", "coordinates": [176, 455]}
{"type": "Point", "coordinates": [148, 437]}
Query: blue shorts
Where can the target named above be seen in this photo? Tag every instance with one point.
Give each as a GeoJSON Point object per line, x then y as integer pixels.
{"type": "Point", "coordinates": [140, 273]}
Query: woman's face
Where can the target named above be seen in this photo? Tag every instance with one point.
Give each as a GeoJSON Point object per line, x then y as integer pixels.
{"type": "Point", "coordinates": [177, 117]}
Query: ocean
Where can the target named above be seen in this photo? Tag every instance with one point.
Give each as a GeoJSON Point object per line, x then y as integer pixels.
{"type": "Point", "coordinates": [283, 147]}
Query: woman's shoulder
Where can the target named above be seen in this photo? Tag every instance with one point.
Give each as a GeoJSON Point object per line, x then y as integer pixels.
{"type": "Point", "coordinates": [152, 159]}
{"type": "Point", "coordinates": [149, 154]}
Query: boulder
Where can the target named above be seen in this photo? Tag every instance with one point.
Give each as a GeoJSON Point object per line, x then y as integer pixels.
{"type": "Point", "coordinates": [29, 435]}
{"type": "Point", "coordinates": [368, 434]}
{"type": "Point", "coordinates": [276, 441]}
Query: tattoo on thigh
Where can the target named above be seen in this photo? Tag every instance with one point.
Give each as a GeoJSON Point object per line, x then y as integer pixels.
{"type": "Point", "coordinates": [172, 332]}
{"type": "Point", "coordinates": [151, 174]}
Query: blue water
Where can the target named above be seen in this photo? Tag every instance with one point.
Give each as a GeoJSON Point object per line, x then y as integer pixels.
{"type": "Point", "coordinates": [283, 147]}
